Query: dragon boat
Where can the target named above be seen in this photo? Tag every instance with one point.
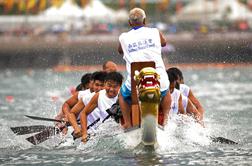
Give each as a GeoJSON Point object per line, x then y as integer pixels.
{"type": "Point", "coordinates": [146, 97]}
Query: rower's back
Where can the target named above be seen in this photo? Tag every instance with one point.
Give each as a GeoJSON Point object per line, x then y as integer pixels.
{"type": "Point", "coordinates": [140, 45]}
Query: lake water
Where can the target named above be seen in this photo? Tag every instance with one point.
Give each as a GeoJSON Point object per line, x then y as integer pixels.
{"type": "Point", "coordinates": [226, 95]}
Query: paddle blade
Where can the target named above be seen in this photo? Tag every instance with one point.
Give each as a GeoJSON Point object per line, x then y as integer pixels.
{"type": "Point", "coordinates": [44, 119]}
{"type": "Point", "coordinates": [22, 130]}
{"type": "Point", "coordinates": [42, 136]}
{"type": "Point", "coordinates": [222, 140]}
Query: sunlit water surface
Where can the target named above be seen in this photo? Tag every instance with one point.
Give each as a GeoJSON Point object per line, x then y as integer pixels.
{"type": "Point", "coordinates": [226, 95]}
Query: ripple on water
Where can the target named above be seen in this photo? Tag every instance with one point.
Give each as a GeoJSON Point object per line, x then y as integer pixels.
{"type": "Point", "coordinates": [225, 95]}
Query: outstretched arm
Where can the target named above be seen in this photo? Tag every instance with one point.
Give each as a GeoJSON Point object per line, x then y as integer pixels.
{"type": "Point", "coordinates": [72, 116]}
{"type": "Point", "coordinates": [84, 113]}
{"type": "Point", "coordinates": [69, 104]}
{"type": "Point", "coordinates": [77, 108]}
{"type": "Point", "coordinates": [196, 103]}
{"type": "Point", "coordinates": [190, 109]}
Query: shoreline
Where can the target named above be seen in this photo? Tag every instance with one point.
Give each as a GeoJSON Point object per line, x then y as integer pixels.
{"type": "Point", "coordinates": [49, 51]}
{"type": "Point", "coordinates": [122, 68]}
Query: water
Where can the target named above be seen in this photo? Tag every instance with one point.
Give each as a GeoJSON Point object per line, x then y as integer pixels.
{"type": "Point", "coordinates": [226, 95]}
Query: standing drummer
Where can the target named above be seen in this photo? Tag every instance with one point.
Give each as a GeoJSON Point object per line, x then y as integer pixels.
{"type": "Point", "coordinates": [142, 44]}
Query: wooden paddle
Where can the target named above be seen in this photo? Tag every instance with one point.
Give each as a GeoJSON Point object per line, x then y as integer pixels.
{"type": "Point", "coordinates": [22, 130]}
{"type": "Point", "coordinates": [47, 133]}
{"type": "Point", "coordinates": [222, 140]}
{"type": "Point", "coordinates": [43, 136]}
{"type": "Point", "coordinates": [45, 119]}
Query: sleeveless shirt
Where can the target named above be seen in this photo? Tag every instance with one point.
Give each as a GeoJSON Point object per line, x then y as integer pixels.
{"type": "Point", "coordinates": [175, 101]}
{"type": "Point", "coordinates": [143, 44]}
{"type": "Point", "coordinates": [83, 93]}
{"type": "Point", "coordinates": [104, 103]}
{"type": "Point", "coordinates": [95, 114]}
{"type": "Point", "coordinates": [184, 89]}
{"type": "Point", "coordinates": [184, 101]}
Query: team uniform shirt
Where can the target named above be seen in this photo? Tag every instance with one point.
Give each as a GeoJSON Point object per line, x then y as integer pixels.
{"type": "Point", "coordinates": [175, 101]}
{"type": "Point", "coordinates": [184, 101]}
{"type": "Point", "coordinates": [184, 89]}
{"type": "Point", "coordinates": [95, 114]}
{"type": "Point", "coordinates": [83, 93]}
{"type": "Point", "coordinates": [141, 45]}
{"type": "Point", "coordinates": [104, 103]}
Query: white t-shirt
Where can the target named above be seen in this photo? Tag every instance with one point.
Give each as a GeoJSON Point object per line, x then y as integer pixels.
{"type": "Point", "coordinates": [141, 45]}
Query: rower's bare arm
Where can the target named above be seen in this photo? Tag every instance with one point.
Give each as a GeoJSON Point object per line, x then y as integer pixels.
{"type": "Point", "coordinates": [191, 109]}
{"type": "Point", "coordinates": [65, 108]}
{"type": "Point", "coordinates": [120, 50]}
{"type": "Point", "coordinates": [92, 104]}
{"type": "Point", "coordinates": [162, 39]}
{"type": "Point", "coordinates": [70, 103]}
{"type": "Point", "coordinates": [72, 116]}
{"type": "Point", "coordinates": [196, 103]}
{"type": "Point", "coordinates": [77, 107]}
{"type": "Point", "coordinates": [180, 106]}
{"type": "Point", "coordinates": [83, 115]}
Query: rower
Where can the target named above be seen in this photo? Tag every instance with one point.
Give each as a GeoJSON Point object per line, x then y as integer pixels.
{"type": "Point", "coordinates": [176, 104]}
{"type": "Point", "coordinates": [97, 81]}
{"type": "Point", "coordinates": [109, 66]}
{"type": "Point", "coordinates": [73, 116]}
{"type": "Point", "coordinates": [102, 100]}
{"type": "Point", "coordinates": [180, 103]}
{"type": "Point", "coordinates": [186, 91]}
{"type": "Point", "coordinates": [85, 82]}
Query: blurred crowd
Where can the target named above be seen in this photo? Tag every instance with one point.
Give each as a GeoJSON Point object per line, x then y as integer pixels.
{"type": "Point", "coordinates": [196, 17]}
